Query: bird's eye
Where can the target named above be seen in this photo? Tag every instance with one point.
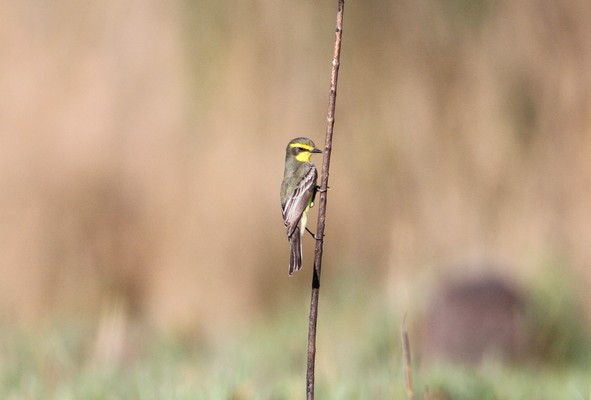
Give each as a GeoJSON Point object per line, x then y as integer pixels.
{"type": "Point", "coordinates": [301, 149]}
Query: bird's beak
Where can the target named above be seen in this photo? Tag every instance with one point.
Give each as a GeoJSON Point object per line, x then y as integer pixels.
{"type": "Point", "coordinates": [316, 151]}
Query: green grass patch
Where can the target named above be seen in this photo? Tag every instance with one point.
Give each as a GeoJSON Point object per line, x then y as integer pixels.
{"type": "Point", "coordinates": [359, 357]}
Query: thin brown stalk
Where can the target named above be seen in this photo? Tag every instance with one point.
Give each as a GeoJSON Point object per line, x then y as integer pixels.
{"type": "Point", "coordinates": [406, 360]}
{"type": "Point", "coordinates": [322, 205]}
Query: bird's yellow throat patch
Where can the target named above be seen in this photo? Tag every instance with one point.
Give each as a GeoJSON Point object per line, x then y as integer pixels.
{"type": "Point", "coordinates": [303, 156]}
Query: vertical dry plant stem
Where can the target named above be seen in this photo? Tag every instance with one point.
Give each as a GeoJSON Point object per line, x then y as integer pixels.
{"type": "Point", "coordinates": [407, 360]}
{"type": "Point", "coordinates": [322, 205]}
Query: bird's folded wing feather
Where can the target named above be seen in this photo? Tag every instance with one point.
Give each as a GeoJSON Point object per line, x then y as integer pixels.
{"type": "Point", "coordinates": [297, 203]}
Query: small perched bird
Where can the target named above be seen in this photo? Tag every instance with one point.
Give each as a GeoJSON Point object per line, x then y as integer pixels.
{"type": "Point", "coordinates": [298, 190]}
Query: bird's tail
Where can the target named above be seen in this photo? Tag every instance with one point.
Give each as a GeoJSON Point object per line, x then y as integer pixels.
{"type": "Point", "coordinates": [295, 255]}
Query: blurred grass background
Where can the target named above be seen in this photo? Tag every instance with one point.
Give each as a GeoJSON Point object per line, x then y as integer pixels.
{"type": "Point", "coordinates": [141, 152]}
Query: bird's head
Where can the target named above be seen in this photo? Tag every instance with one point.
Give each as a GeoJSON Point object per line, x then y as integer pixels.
{"type": "Point", "coordinates": [301, 149]}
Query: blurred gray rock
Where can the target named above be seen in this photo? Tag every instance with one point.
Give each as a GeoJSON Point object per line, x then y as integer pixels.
{"type": "Point", "coordinates": [470, 320]}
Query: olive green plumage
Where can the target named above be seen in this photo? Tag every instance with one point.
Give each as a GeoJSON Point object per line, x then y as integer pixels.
{"type": "Point", "coordinates": [297, 194]}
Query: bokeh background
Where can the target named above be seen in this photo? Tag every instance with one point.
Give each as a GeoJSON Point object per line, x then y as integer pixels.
{"type": "Point", "coordinates": [142, 147]}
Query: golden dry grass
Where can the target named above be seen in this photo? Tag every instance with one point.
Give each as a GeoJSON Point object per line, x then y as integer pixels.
{"type": "Point", "coordinates": [141, 148]}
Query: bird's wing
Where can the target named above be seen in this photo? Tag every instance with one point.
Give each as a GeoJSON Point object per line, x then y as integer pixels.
{"type": "Point", "coordinates": [298, 201]}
